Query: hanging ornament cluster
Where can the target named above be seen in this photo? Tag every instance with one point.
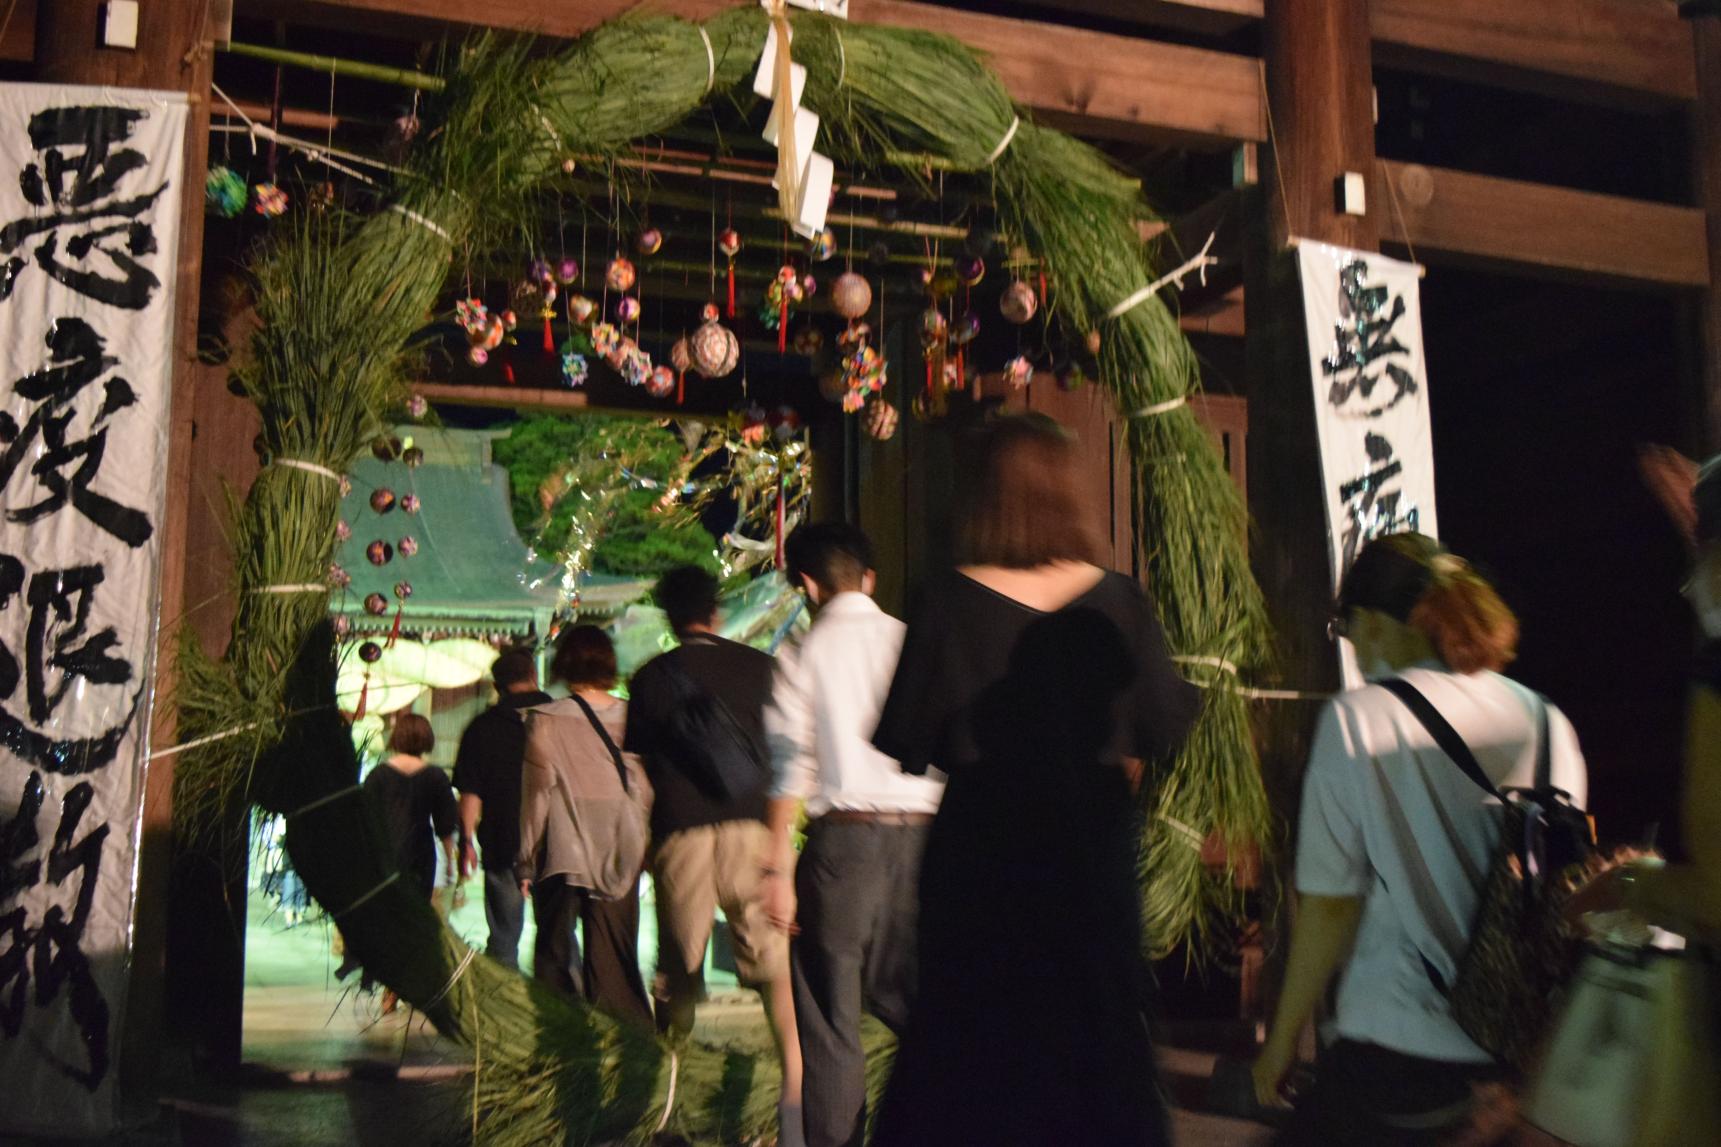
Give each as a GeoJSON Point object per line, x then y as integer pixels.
{"type": "Point", "coordinates": [824, 245]}
{"type": "Point", "coordinates": [729, 242]}
{"type": "Point", "coordinates": [484, 331]}
{"type": "Point", "coordinates": [1018, 373]}
{"type": "Point", "coordinates": [864, 370]}
{"type": "Point", "coordinates": [681, 358]}
{"type": "Point", "coordinates": [661, 384]}
{"type": "Point", "coordinates": [574, 368]}
{"type": "Point", "coordinates": [268, 200]}
{"type": "Point", "coordinates": [539, 291]}
{"type": "Point", "coordinates": [225, 192]}
{"type": "Point", "coordinates": [715, 349]}
{"type": "Point", "coordinates": [786, 290]}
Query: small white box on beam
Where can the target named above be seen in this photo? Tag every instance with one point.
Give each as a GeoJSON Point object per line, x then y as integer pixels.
{"type": "Point", "coordinates": [1350, 194]}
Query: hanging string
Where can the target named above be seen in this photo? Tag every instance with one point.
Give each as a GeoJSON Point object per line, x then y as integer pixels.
{"type": "Point", "coordinates": [366, 898]}
{"type": "Point", "coordinates": [322, 801]}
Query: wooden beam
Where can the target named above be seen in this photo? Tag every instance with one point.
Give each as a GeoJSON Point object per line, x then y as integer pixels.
{"type": "Point", "coordinates": [1598, 49]}
{"type": "Point", "coordinates": [18, 33]}
{"type": "Point", "coordinates": [1508, 223]}
{"type": "Point", "coordinates": [1090, 82]}
{"type": "Point", "coordinates": [1202, 17]}
{"type": "Point", "coordinates": [512, 397]}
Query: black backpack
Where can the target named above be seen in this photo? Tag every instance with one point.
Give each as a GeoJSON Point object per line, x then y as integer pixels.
{"type": "Point", "coordinates": [721, 755]}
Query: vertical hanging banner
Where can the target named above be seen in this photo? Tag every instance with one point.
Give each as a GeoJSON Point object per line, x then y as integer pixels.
{"type": "Point", "coordinates": [89, 238]}
{"type": "Point", "coordinates": [1363, 314]}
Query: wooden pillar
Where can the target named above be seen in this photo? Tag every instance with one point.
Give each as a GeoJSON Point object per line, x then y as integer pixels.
{"type": "Point", "coordinates": [173, 54]}
{"type": "Point", "coordinates": [1705, 136]}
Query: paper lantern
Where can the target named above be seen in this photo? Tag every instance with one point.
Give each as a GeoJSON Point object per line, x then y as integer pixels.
{"type": "Point", "coordinates": [851, 295]}
{"type": "Point", "coordinates": [715, 350]}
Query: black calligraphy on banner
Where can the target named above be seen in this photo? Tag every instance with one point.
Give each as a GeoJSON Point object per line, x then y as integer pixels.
{"type": "Point", "coordinates": [47, 953]}
{"type": "Point", "coordinates": [91, 229]}
{"type": "Point", "coordinates": [1374, 504]}
{"type": "Point", "coordinates": [1366, 351]}
{"type": "Point", "coordinates": [58, 651]}
{"type": "Point", "coordinates": [68, 438]}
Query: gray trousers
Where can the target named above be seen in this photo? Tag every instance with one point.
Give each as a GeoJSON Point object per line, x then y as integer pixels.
{"type": "Point", "coordinates": [505, 913]}
{"type": "Point", "coordinates": [858, 892]}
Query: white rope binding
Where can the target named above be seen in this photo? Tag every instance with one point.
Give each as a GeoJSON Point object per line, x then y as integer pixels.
{"type": "Point", "coordinates": [1158, 408]}
{"type": "Point", "coordinates": [452, 980]}
{"type": "Point", "coordinates": [428, 224]}
{"type": "Point", "coordinates": [669, 1100]}
{"type": "Point", "coordinates": [302, 587]}
{"type": "Point", "coordinates": [307, 467]}
{"type": "Point", "coordinates": [1199, 263]}
{"type": "Point", "coordinates": [1195, 839]}
{"type": "Point", "coordinates": [1230, 669]}
{"type": "Point", "coordinates": [1015, 123]}
{"type": "Point", "coordinates": [710, 60]}
{"type": "Point", "coordinates": [199, 742]}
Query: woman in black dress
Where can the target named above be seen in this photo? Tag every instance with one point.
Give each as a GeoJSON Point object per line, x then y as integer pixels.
{"type": "Point", "coordinates": [416, 803]}
{"type": "Point", "coordinates": [1040, 683]}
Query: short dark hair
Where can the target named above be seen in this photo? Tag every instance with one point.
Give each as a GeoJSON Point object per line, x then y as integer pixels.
{"type": "Point", "coordinates": [514, 667]}
{"type": "Point", "coordinates": [585, 658]}
{"type": "Point", "coordinates": [835, 555]}
{"type": "Point", "coordinates": [412, 735]}
{"type": "Point", "coordinates": [1412, 579]}
{"type": "Point", "coordinates": [688, 595]}
{"type": "Point", "coordinates": [1028, 507]}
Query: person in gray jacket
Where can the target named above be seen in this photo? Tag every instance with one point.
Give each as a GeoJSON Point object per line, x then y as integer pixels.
{"type": "Point", "coordinates": [583, 834]}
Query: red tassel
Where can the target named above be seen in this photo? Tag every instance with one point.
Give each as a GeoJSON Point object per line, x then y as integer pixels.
{"type": "Point", "coordinates": [364, 698]}
{"type": "Point", "coordinates": [680, 387]}
{"type": "Point", "coordinates": [929, 378]}
{"type": "Point", "coordinates": [783, 326]}
{"type": "Point", "coordinates": [508, 371]}
{"type": "Point", "coordinates": [782, 516]}
{"type": "Point", "coordinates": [394, 630]}
{"type": "Point", "coordinates": [549, 337]}
{"type": "Point", "coordinates": [1042, 289]}
{"type": "Point", "coordinates": [731, 311]}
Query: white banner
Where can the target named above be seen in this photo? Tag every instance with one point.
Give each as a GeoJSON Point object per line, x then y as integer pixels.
{"type": "Point", "coordinates": [89, 237]}
{"type": "Point", "coordinates": [1364, 320]}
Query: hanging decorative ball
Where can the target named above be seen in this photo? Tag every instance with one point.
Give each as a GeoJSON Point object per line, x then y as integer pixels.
{"type": "Point", "coordinates": [627, 309]}
{"type": "Point", "coordinates": [634, 364]}
{"type": "Point", "coordinates": [416, 407]}
{"type": "Point", "coordinates": [809, 286]}
{"type": "Point", "coordinates": [409, 503]}
{"type": "Point", "coordinates": [661, 384]}
{"type": "Point", "coordinates": [970, 269]}
{"type": "Point", "coordinates": [574, 367]}
{"type": "Point", "coordinates": [715, 350]}
{"type": "Point", "coordinates": [1093, 342]}
{"type": "Point", "coordinates": [402, 590]}
{"type": "Point", "coordinates": [729, 242]}
{"type": "Point", "coordinates": [510, 320]}
{"type": "Point", "coordinates": [345, 485]}
{"type": "Point", "coordinates": [413, 456]}
{"type": "Point", "coordinates": [709, 313]}
{"type": "Point", "coordinates": [648, 242]}
{"type": "Point", "coordinates": [477, 356]}
{"type": "Point", "coordinates": [952, 377]}
{"type": "Point", "coordinates": [943, 284]}
{"type": "Point", "coordinates": [934, 328]}
{"type": "Point", "coordinates": [370, 653]}
{"type": "Point", "coordinates": [809, 341]}
{"type": "Point", "coordinates": [268, 200]}
{"type": "Point", "coordinates": [785, 423]}
{"type": "Point", "coordinates": [967, 328]}
{"type": "Point", "coordinates": [224, 192]}
{"type": "Point", "coordinates": [386, 449]}
{"type": "Point", "coordinates": [879, 254]}
{"type": "Point", "coordinates": [854, 335]}
{"type": "Point", "coordinates": [864, 373]}
{"type": "Point", "coordinates": [620, 276]}
{"type": "Point", "coordinates": [343, 624]}
{"type": "Point", "coordinates": [568, 165]}
{"type": "Point", "coordinates": [408, 546]}
{"type": "Point", "coordinates": [376, 604]}
{"type": "Point", "coordinates": [382, 499]}
{"type": "Point", "coordinates": [824, 245]}
{"type": "Point", "coordinates": [851, 295]}
{"type": "Point", "coordinates": [342, 530]}
{"type": "Point", "coordinates": [1019, 303]}
{"type": "Point", "coordinates": [681, 355]}
{"type": "Point", "coordinates": [379, 553]}
{"type": "Point", "coordinates": [605, 339]}
{"type": "Point", "coordinates": [854, 401]}
{"type": "Point", "coordinates": [881, 420]}
{"type": "Point", "coordinates": [567, 271]}
{"type": "Point", "coordinates": [1018, 373]}
{"type": "Point", "coordinates": [540, 271]}
{"type": "Point", "coordinates": [338, 576]}
{"type": "Point", "coordinates": [473, 316]}
{"type": "Point", "coordinates": [581, 309]}
{"type": "Point", "coordinates": [833, 387]}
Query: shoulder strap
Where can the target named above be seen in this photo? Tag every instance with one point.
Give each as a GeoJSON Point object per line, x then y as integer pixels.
{"type": "Point", "coordinates": [1545, 749]}
{"type": "Point", "coordinates": [609, 741]}
{"type": "Point", "coordinates": [1444, 734]}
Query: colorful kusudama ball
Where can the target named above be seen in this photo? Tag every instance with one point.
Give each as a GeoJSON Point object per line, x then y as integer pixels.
{"type": "Point", "coordinates": [881, 420]}
{"type": "Point", "coordinates": [715, 350]}
{"type": "Point", "coordinates": [379, 553]}
{"type": "Point", "coordinates": [413, 456]}
{"type": "Point", "coordinates": [338, 576]}
{"type": "Point", "coordinates": [824, 245]}
{"type": "Point", "coordinates": [605, 339]}
{"type": "Point", "coordinates": [343, 624]}
{"type": "Point", "coordinates": [409, 503]}
{"type": "Point", "coordinates": [408, 546]}
{"type": "Point", "coordinates": [574, 368]}
{"type": "Point", "coordinates": [681, 355]}
{"type": "Point", "coordinates": [729, 242]}
{"type": "Point", "coordinates": [934, 328]}
{"type": "Point", "coordinates": [661, 384]}
{"type": "Point", "coordinates": [382, 499]}
{"type": "Point", "coordinates": [417, 407]}
{"type": "Point", "coordinates": [567, 271]}
{"type": "Point", "coordinates": [581, 309]}
{"type": "Point", "coordinates": [225, 192]}
{"type": "Point", "coordinates": [620, 276]}
{"type": "Point", "coordinates": [633, 363]}
{"type": "Point", "coordinates": [477, 356]}
{"type": "Point", "coordinates": [649, 241]}
{"type": "Point", "coordinates": [970, 269]}
{"type": "Point", "coordinates": [627, 309]}
{"type": "Point", "coordinates": [1018, 373]}
{"type": "Point", "coordinates": [342, 530]}
{"type": "Point", "coordinates": [370, 653]}
{"type": "Point", "coordinates": [1019, 302]}
{"type": "Point", "coordinates": [967, 328]}
{"type": "Point", "coordinates": [269, 200]}
{"type": "Point", "coordinates": [851, 295]}
{"type": "Point", "coordinates": [376, 604]}
{"type": "Point", "coordinates": [402, 590]}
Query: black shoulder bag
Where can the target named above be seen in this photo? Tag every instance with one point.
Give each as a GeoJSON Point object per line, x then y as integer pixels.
{"type": "Point", "coordinates": [720, 754]}
{"type": "Point", "coordinates": [1521, 951]}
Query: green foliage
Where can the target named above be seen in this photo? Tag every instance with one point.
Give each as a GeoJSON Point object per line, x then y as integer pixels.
{"type": "Point", "coordinates": [637, 536]}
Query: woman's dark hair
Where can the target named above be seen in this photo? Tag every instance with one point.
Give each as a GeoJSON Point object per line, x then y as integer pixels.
{"type": "Point", "coordinates": [835, 555]}
{"type": "Point", "coordinates": [1411, 579]}
{"type": "Point", "coordinates": [412, 735]}
{"type": "Point", "coordinates": [1028, 507]}
{"type": "Point", "coordinates": [688, 595]}
{"type": "Point", "coordinates": [585, 658]}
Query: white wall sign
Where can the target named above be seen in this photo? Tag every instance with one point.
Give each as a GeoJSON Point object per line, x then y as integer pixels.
{"type": "Point", "coordinates": [1363, 313]}
{"type": "Point", "coordinates": [89, 237]}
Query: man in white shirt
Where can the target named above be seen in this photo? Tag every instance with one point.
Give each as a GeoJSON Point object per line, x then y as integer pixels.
{"type": "Point", "coordinates": [855, 892]}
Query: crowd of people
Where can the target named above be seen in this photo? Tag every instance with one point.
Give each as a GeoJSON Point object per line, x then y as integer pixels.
{"type": "Point", "coordinates": [936, 823]}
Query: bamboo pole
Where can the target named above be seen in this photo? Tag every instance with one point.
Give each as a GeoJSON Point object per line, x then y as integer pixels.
{"type": "Point", "coordinates": [356, 69]}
